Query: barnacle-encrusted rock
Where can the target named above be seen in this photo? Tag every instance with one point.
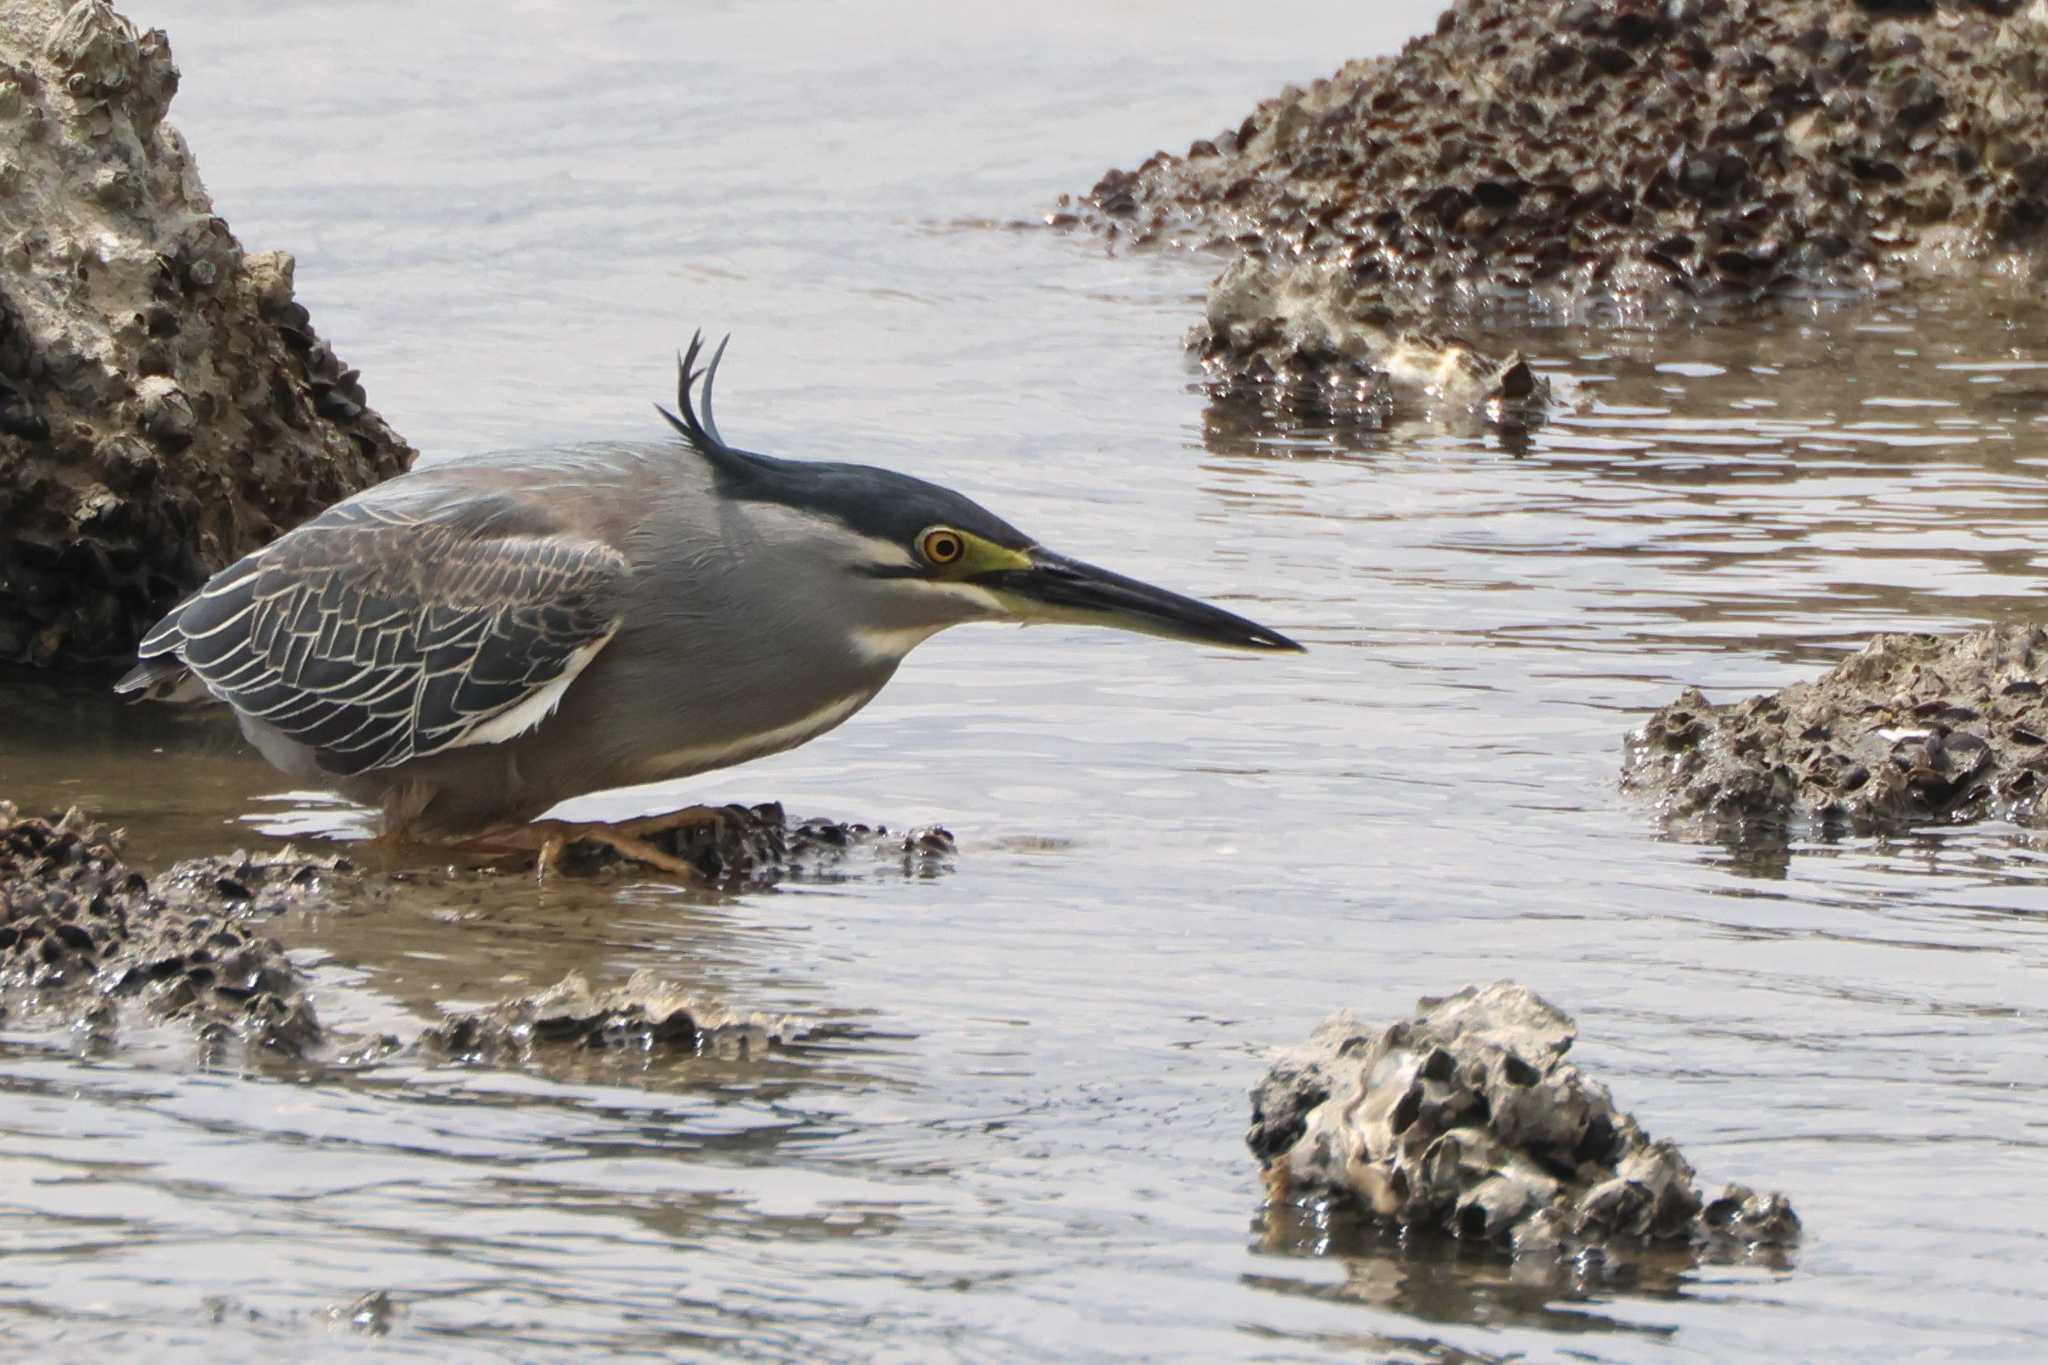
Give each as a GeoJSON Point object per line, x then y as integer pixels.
{"type": "Point", "coordinates": [1910, 729]}
{"type": "Point", "coordinates": [1541, 154]}
{"type": "Point", "coordinates": [164, 404]}
{"type": "Point", "coordinates": [646, 1015]}
{"type": "Point", "coordinates": [1466, 1122]}
{"type": "Point", "coordinates": [85, 937]}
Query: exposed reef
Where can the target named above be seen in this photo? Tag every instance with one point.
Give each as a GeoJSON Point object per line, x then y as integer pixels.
{"type": "Point", "coordinates": [1910, 729]}
{"type": "Point", "coordinates": [1547, 155]}
{"type": "Point", "coordinates": [1465, 1125]}
{"type": "Point", "coordinates": [92, 945]}
{"type": "Point", "coordinates": [165, 406]}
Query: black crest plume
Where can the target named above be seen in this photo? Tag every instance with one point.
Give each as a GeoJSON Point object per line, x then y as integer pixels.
{"type": "Point", "coordinates": [696, 424]}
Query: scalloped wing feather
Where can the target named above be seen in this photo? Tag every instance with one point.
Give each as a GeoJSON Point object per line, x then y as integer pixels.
{"type": "Point", "coordinates": [376, 638]}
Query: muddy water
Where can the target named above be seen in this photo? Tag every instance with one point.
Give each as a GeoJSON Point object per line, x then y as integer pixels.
{"type": "Point", "coordinates": [1023, 1133]}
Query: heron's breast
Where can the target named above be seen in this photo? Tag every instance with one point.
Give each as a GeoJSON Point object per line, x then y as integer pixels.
{"type": "Point", "coordinates": [702, 755]}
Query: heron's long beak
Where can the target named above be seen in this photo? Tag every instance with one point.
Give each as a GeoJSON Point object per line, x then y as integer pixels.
{"type": "Point", "coordinates": [1055, 588]}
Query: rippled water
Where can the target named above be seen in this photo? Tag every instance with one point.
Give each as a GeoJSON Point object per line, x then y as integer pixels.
{"type": "Point", "coordinates": [1024, 1132]}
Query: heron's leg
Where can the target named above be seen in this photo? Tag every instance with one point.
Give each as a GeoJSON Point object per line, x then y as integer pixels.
{"type": "Point", "coordinates": [549, 859]}
{"type": "Point", "coordinates": [622, 840]}
{"type": "Point", "coordinates": [503, 843]}
{"type": "Point", "coordinates": [669, 822]}
{"type": "Point", "coordinates": [547, 841]}
{"type": "Point", "coordinates": [641, 839]}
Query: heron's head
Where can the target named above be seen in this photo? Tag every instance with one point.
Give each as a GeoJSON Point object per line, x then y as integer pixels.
{"type": "Point", "coordinates": [925, 557]}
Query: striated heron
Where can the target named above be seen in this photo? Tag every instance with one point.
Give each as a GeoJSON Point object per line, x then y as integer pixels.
{"type": "Point", "coordinates": [468, 644]}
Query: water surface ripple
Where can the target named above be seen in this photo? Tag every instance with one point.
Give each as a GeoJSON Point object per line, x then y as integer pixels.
{"type": "Point", "coordinates": [1024, 1134]}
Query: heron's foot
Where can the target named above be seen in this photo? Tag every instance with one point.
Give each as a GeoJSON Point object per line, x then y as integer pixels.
{"type": "Point", "coordinates": [670, 827]}
{"type": "Point", "coordinates": [654, 841]}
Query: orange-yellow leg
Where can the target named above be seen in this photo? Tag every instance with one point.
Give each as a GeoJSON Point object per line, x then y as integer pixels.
{"type": "Point", "coordinates": [550, 840]}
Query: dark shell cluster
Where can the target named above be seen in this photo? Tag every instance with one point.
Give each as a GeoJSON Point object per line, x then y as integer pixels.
{"type": "Point", "coordinates": [758, 847]}
{"type": "Point", "coordinates": [1271, 368]}
{"type": "Point", "coordinates": [1544, 154]}
{"type": "Point", "coordinates": [165, 406]}
{"type": "Point", "coordinates": [82, 932]}
{"type": "Point", "coordinates": [1466, 1124]}
{"type": "Point", "coordinates": [1909, 730]}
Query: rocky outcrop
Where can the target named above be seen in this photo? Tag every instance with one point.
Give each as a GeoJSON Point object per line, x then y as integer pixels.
{"type": "Point", "coordinates": [1544, 155]}
{"type": "Point", "coordinates": [165, 406]}
{"type": "Point", "coordinates": [1910, 729]}
{"type": "Point", "coordinates": [1466, 1124]}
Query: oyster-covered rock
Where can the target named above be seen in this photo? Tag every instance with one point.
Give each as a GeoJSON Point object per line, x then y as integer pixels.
{"type": "Point", "coordinates": [1908, 730]}
{"type": "Point", "coordinates": [1467, 1123]}
{"type": "Point", "coordinates": [1646, 156]}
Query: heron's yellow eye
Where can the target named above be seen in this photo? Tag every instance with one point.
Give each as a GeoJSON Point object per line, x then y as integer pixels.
{"type": "Point", "coordinates": [941, 546]}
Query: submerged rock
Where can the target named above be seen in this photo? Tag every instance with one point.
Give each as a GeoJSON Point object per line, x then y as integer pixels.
{"type": "Point", "coordinates": [370, 1314]}
{"type": "Point", "coordinates": [1286, 345]}
{"type": "Point", "coordinates": [1908, 730]}
{"type": "Point", "coordinates": [1466, 1123]}
{"type": "Point", "coordinates": [646, 1015]}
{"type": "Point", "coordinates": [85, 937]}
{"type": "Point", "coordinates": [1543, 155]}
{"type": "Point", "coordinates": [165, 406]}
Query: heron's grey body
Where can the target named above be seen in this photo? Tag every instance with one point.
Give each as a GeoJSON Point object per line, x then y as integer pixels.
{"type": "Point", "coordinates": [468, 644]}
{"type": "Point", "coordinates": [759, 651]}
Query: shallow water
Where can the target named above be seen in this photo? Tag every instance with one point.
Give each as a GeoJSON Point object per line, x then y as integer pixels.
{"type": "Point", "coordinates": [1024, 1131]}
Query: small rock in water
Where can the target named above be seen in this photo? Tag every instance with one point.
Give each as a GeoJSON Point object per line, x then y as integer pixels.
{"type": "Point", "coordinates": [1466, 1123]}
{"type": "Point", "coordinates": [371, 1314]}
{"type": "Point", "coordinates": [643, 1017]}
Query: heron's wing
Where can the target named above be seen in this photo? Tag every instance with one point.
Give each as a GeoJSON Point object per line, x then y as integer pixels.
{"type": "Point", "coordinates": [375, 637]}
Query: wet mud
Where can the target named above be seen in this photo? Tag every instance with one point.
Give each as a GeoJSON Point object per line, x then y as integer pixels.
{"type": "Point", "coordinates": [1910, 729]}
{"type": "Point", "coordinates": [1465, 1126]}
{"type": "Point", "coordinates": [1572, 157]}
{"type": "Point", "coordinates": [93, 945]}
{"type": "Point", "coordinates": [165, 404]}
